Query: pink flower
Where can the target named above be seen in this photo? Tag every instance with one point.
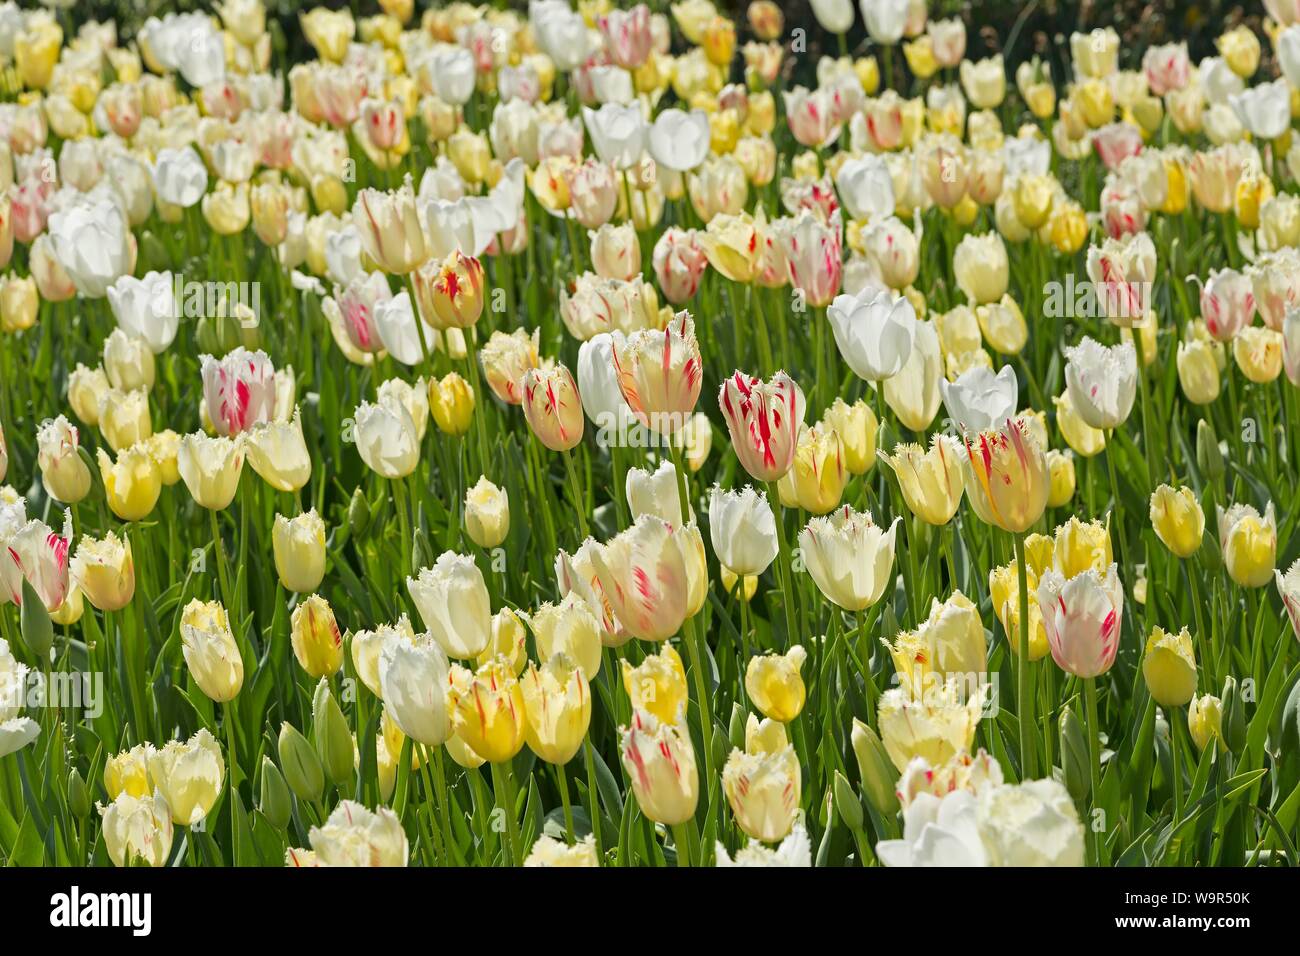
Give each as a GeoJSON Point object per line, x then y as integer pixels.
{"type": "Point", "coordinates": [813, 253]}
{"type": "Point", "coordinates": [1082, 618]}
{"type": "Point", "coordinates": [628, 38]}
{"type": "Point", "coordinates": [239, 390]}
{"type": "Point", "coordinates": [37, 553]}
{"type": "Point", "coordinates": [1116, 143]}
{"type": "Point", "coordinates": [679, 263]}
{"type": "Point", "coordinates": [763, 419]}
{"type": "Point", "coordinates": [1227, 303]}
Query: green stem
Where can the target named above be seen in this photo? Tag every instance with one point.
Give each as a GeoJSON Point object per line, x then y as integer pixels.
{"type": "Point", "coordinates": [1024, 702]}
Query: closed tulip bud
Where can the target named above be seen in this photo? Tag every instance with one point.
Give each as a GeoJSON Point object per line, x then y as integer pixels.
{"type": "Point", "coordinates": [301, 766]}
{"type": "Point", "coordinates": [278, 453]}
{"type": "Point", "coordinates": [879, 777]}
{"type": "Point", "coordinates": [1006, 476]}
{"type": "Point", "coordinates": [1205, 721]}
{"type": "Point", "coordinates": [1075, 761]}
{"type": "Point", "coordinates": [552, 407]}
{"type": "Point", "coordinates": [764, 791]}
{"type": "Point", "coordinates": [1234, 716]}
{"type": "Point", "coordinates": [487, 710]}
{"type": "Point", "coordinates": [298, 544]}
{"type": "Point", "coordinates": [571, 629]}
{"type": "Point", "coordinates": [454, 291]}
{"type": "Point", "coordinates": [1178, 519]}
{"type": "Point", "coordinates": [274, 800]}
{"type": "Point", "coordinates": [660, 765]}
{"type": "Point", "coordinates": [1060, 466]}
{"type": "Point", "coordinates": [1209, 458]}
{"type": "Point", "coordinates": [1169, 667]}
{"type": "Point", "coordinates": [104, 571]}
{"type": "Point", "coordinates": [331, 736]}
{"type": "Point", "coordinates": [226, 208]}
{"type": "Point", "coordinates": [314, 634]}
{"type": "Point", "coordinates": [210, 468]}
{"type": "Point", "coordinates": [124, 418]}
{"type": "Point", "coordinates": [453, 602]}
{"type": "Point", "coordinates": [189, 775]}
{"type": "Point", "coordinates": [78, 795]}
{"type": "Point", "coordinates": [487, 514]}
{"type": "Point", "coordinates": [930, 480]}
{"type": "Point", "coordinates": [615, 251]}
{"type": "Point", "coordinates": [658, 685]}
{"type": "Point", "coordinates": [358, 513]}
{"type": "Point", "coordinates": [774, 684]}
{"type": "Point", "coordinates": [557, 704]}
{"type": "Point", "coordinates": [63, 470]}
{"type": "Point", "coordinates": [210, 650]}
{"type": "Point", "coordinates": [936, 727]}
{"type": "Point", "coordinates": [1249, 544]}
{"type": "Point", "coordinates": [451, 401]}
{"type": "Point", "coordinates": [137, 830]}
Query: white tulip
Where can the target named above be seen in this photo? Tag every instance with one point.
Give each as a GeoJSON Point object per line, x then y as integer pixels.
{"type": "Point", "coordinates": [1102, 381]}
{"type": "Point", "coordinates": [979, 399]}
{"type": "Point", "coordinates": [874, 330]}
{"type": "Point", "coordinates": [679, 140]}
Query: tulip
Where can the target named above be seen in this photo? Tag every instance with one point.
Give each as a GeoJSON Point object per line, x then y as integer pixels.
{"type": "Point", "coordinates": [1205, 721]}
{"type": "Point", "coordinates": [238, 390]}
{"type": "Point", "coordinates": [146, 309]}
{"type": "Point", "coordinates": [453, 602]}
{"type": "Point", "coordinates": [679, 141]}
{"type": "Point", "coordinates": [104, 571]}
{"type": "Point", "coordinates": [1060, 466]}
{"type": "Point", "coordinates": [1102, 382]}
{"type": "Point", "coordinates": [451, 401]}
{"type": "Point", "coordinates": [1227, 303]}
{"type": "Point", "coordinates": [353, 835]}
{"type": "Point", "coordinates": [774, 684]}
{"type": "Point", "coordinates": [1198, 371]}
{"type": "Point", "coordinates": [979, 400]}
{"type": "Point", "coordinates": [935, 727]}
{"type": "Point", "coordinates": [90, 241]}
{"type": "Point", "coordinates": [132, 484]}
{"type": "Point", "coordinates": [552, 407]}
{"type": "Point", "coordinates": [1249, 544]}
{"type": "Point", "coordinates": [930, 480]}
{"type": "Point", "coordinates": [413, 676]}
{"type": "Point", "coordinates": [660, 765]}
{"type": "Point", "coordinates": [813, 256]}
{"type": "Point", "coordinates": [1082, 617]}
{"type": "Point", "coordinates": [557, 704]}
{"type": "Point", "coordinates": [660, 373]}
{"type": "Point", "coordinates": [913, 394]}
{"type": "Point", "coordinates": [314, 634]}
{"type": "Point", "coordinates": [1169, 667]}
{"type": "Point", "coordinates": [615, 252]}
{"type": "Point", "coordinates": [849, 557]}
{"type": "Point", "coordinates": [210, 468]}
{"type": "Point", "coordinates": [1178, 520]}
{"type": "Point", "coordinates": [128, 363]}
{"type": "Point", "coordinates": [763, 790]}
{"type": "Point", "coordinates": [487, 514]}
{"type": "Point", "coordinates": [763, 419]}
{"type": "Point", "coordinates": [137, 830]}
{"type": "Point", "coordinates": [742, 528]}
{"type": "Point", "coordinates": [664, 563]}
{"type": "Point", "coordinates": [571, 629]}
{"type": "Point", "coordinates": [1258, 352]}
{"type": "Point", "coordinates": [453, 297]}
{"type": "Point", "coordinates": [386, 438]}
{"type": "Point", "coordinates": [618, 133]}
{"type": "Point", "coordinates": [189, 776]}
{"type": "Point", "coordinates": [949, 644]}
{"type": "Point", "coordinates": [298, 544]}
{"type": "Point", "coordinates": [874, 331]}
{"type": "Point", "coordinates": [210, 650]}
{"type": "Point", "coordinates": [179, 177]}
{"type": "Point", "coordinates": [390, 229]}
{"type": "Point", "coordinates": [128, 772]}
{"type": "Point", "coordinates": [63, 472]}
{"type": "Point", "coordinates": [19, 303]}
{"type": "Point", "coordinates": [487, 710]}
{"type": "Point", "coordinates": [38, 555]}
{"type": "Point", "coordinates": [505, 358]}
{"type": "Point", "coordinates": [1006, 476]}
{"type": "Point", "coordinates": [980, 268]}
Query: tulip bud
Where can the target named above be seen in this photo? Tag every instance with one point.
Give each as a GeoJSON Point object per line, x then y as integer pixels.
{"type": "Point", "coordinates": [301, 766]}
{"type": "Point", "coordinates": [660, 764]}
{"type": "Point", "coordinates": [487, 711]}
{"type": "Point", "coordinates": [298, 545]}
{"type": "Point", "coordinates": [314, 633]}
{"type": "Point", "coordinates": [1234, 716]}
{"type": "Point", "coordinates": [774, 684]}
{"type": "Point", "coordinates": [487, 514]}
{"type": "Point", "coordinates": [763, 790]}
{"type": "Point", "coordinates": [1178, 519]}
{"type": "Point", "coordinates": [1249, 544]}
{"type": "Point", "coordinates": [451, 401]}
{"type": "Point", "coordinates": [879, 776]}
{"type": "Point", "coordinates": [1205, 721]}
{"type": "Point", "coordinates": [34, 620]}
{"type": "Point", "coordinates": [78, 795]}
{"type": "Point", "coordinates": [552, 407]}
{"type": "Point", "coordinates": [1209, 458]}
{"type": "Point", "coordinates": [557, 703]}
{"type": "Point", "coordinates": [331, 736]}
{"type": "Point", "coordinates": [104, 571]}
{"type": "Point", "coordinates": [210, 650]}
{"type": "Point", "coordinates": [358, 514]}
{"type": "Point", "coordinates": [274, 802]}
{"type": "Point", "coordinates": [1075, 761]}
{"type": "Point", "coordinates": [1169, 667]}
{"type": "Point", "coordinates": [847, 804]}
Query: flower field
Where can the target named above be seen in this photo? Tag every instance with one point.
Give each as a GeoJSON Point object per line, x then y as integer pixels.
{"type": "Point", "coordinates": [660, 435]}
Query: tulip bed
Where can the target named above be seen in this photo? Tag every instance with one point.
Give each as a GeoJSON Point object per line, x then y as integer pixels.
{"type": "Point", "coordinates": [633, 437]}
